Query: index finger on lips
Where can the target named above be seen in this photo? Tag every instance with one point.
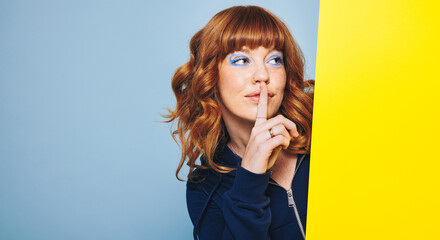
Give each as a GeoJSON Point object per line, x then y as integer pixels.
{"type": "Point", "coordinates": [262, 105]}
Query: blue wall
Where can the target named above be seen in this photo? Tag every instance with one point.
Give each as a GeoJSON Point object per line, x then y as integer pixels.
{"type": "Point", "coordinates": [82, 86]}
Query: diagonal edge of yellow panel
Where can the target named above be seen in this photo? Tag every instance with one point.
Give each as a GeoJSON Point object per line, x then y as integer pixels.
{"type": "Point", "coordinates": [375, 160]}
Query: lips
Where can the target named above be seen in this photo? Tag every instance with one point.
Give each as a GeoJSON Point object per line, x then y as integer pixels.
{"type": "Point", "coordinates": [255, 96]}
{"type": "Point", "coordinates": [257, 93]}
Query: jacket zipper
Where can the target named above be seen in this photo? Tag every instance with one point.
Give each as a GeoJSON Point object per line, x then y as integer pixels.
{"type": "Point", "coordinates": [291, 201]}
{"type": "Point", "coordinates": [292, 204]}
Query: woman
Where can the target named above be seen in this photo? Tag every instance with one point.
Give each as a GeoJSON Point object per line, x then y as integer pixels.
{"type": "Point", "coordinates": [241, 105]}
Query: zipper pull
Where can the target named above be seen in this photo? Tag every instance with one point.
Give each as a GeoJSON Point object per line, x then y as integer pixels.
{"type": "Point", "coordinates": [290, 198]}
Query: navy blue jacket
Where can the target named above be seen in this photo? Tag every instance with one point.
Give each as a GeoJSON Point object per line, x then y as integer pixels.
{"type": "Point", "coordinates": [244, 205]}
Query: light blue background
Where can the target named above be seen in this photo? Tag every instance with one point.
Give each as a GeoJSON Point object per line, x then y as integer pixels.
{"type": "Point", "coordinates": [82, 86]}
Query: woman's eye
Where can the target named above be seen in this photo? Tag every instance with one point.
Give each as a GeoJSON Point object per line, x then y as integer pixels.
{"type": "Point", "coordinates": [240, 60]}
{"type": "Point", "coordinates": [275, 60]}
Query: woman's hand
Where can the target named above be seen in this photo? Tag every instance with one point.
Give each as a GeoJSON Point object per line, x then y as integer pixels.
{"type": "Point", "coordinates": [267, 138]}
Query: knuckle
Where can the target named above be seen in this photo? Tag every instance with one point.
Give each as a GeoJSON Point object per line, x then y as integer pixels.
{"type": "Point", "coordinates": [279, 139]}
{"type": "Point", "coordinates": [280, 117]}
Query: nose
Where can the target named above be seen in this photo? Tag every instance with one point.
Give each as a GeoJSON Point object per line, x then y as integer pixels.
{"type": "Point", "coordinates": [261, 74]}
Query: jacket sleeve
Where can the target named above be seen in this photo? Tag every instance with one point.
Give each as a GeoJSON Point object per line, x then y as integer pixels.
{"type": "Point", "coordinates": [243, 214]}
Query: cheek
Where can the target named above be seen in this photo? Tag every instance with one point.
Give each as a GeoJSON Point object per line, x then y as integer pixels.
{"type": "Point", "coordinates": [222, 83]}
{"type": "Point", "coordinates": [280, 87]}
{"type": "Point", "coordinates": [280, 82]}
{"type": "Point", "coordinates": [277, 102]}
{"type": "Point", "coordinates": [230, 82]}
{"type": "Point", "coordinates": [226, 88]}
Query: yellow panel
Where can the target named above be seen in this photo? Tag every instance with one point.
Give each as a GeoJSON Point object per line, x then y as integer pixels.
{"type": "Point", "coordinates": [375, 145]}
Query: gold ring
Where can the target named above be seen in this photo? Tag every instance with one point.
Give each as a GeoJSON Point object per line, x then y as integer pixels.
{"type": "Point", "coordinates": [271, 132]}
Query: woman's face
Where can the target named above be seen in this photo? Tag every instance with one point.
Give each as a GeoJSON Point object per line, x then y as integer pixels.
{"type": "Point", "coordinates": [240, 74]}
